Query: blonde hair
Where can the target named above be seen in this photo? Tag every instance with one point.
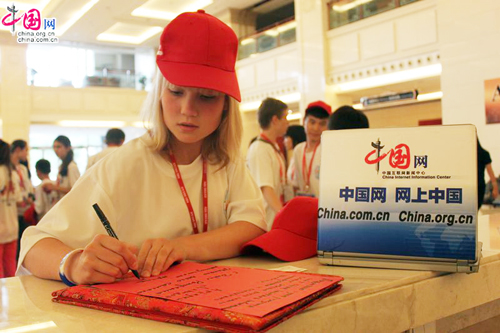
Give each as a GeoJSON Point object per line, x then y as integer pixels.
{"type": "Point", "coordinates": [220, 147]}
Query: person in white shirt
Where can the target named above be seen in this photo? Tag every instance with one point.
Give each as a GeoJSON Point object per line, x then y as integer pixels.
{"type": "Point", "coordinates": [44, 200]}
{"type": "Point", "coordinates": [10, 197]}
{"type": "Point", "coordinates": [114, 139]}
{"type": "Point", "coordinates": [180, 192]}
{"type": "Point", "coordinates": [18, 153]}
{"type": "Point", "coordinates": [68, 170]}
{"type": "Point", "coordinates": [265, 159]}
{"type": "Point", "coordinates": [307, 155]}
{"type": "Point", "coordinates": [295, 134]}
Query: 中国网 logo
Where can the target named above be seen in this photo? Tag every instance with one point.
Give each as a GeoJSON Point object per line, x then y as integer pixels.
{"type": "Point", "coordinates": [30, 26]}
{"type": "Point", "coordinates": [399, 157]}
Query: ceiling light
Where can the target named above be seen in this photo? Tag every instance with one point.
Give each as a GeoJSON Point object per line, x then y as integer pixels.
{"type": "Point", "coordinates": [76, 17]}
{"type": "Point", "coordinates": [391, 78]}
{"type": "Point", "coordinates": [272, 32]}
{"type": "Point", "coordinates": [247, 41]}
{"type": "Point", "coordinates": [348, 6]}
{"type": "Point", "coordinates": [129, 39]}
{"type": "Point", "coordinates": [151, 13]}
{"type": "Point", "coordinates": [430, 96]}
{"type": "Point", "coordinates": [91, 123]}
{"type": "Point", "coordinates": [169, 16]}
{"type": "Point", "coordinates": [290, 98]}
{"type": "Point", "coordinates": [250, 106]}
{"type": "Point", "coordinates": [293, 116]}
{"type": "Point", "coordinates": [142, 124]}
{"type": "Point", "coordinates": [287, 26]}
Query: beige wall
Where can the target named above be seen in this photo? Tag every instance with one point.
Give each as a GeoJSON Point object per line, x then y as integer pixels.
{"type": "Point", "coordinates": [404, 116]}
{"type": "Point", "coordinates": [469, 32]}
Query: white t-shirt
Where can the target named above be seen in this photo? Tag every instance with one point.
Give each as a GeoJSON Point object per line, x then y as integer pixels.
{"type": "Point", "coordinates": [138, 192]}
{"type": "Point", "coordinates": [264, 164]}
{"type": "Point", "coordinates": [299, 172]}
{"type": "Point", "coordinates": [43, 200]}
{"type": "Point", "coordinates": [94, 158]}
{"type": "Point", "coordinates": [70, 179]}
{"type": "Point", "coordinates": [25, 186]}
{"type": "Point", "coordinates": [9, 195]}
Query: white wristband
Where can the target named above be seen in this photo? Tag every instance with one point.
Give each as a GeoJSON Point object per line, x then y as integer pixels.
{"type": "Point", "coordinates": [62, 267]}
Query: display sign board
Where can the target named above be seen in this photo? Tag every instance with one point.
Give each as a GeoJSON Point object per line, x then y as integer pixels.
{"type": "Point", "coordinates": [399, 198]}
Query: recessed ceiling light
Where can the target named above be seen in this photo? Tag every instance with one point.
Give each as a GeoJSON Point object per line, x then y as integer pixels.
{"type": "Point", "coordinates": [120, 38]}
{"type": "Point", "coordinates": [150, 10]}
{"type": "Point", "coordinates": [68, 24]}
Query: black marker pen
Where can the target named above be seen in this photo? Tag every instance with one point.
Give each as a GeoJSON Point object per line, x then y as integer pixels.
{"type": "Point", "coordinates": [109, 230]}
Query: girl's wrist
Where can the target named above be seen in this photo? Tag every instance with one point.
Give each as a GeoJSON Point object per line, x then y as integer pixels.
{"type": "Point", "coordinates": [65, 271]}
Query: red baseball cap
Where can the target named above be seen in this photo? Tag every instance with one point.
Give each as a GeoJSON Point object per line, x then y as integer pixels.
{"type": "Point", "coordinates": [320, 104]}
{"type": "Point", "coordinates": [294, 233]}
{"type": "Point", "coordinates": [198, 50]}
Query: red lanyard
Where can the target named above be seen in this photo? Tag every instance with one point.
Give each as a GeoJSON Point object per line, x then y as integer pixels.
{"type": "Point", "coordinates": [204, 190]}
{"type": "Point", "coordinates": [21, 181]}
{"type": "Point", "coordinates": [307, 178]}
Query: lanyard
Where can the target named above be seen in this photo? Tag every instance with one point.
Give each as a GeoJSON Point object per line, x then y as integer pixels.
{"type": "Point", "coordinates": [204, 190]}
{"type": "Point", "coordinates": [307, 177]}
{"type": "Point", "coordinates": [21, 181]}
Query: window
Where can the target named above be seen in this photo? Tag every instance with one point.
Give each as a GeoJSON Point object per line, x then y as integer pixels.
{"type": "Point", "coordinates": [343, 12]}
{"type": "Point", "coordinates": [68, 66]}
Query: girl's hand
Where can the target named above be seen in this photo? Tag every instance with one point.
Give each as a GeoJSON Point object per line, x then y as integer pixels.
{"type": "Point", "coordinates": [157, 255]}
{"type": "Point", "coordinates": [104, 260]}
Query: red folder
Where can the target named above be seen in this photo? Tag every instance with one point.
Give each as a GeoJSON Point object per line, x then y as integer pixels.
{"type": "Point", "coordinates": [183, 313]}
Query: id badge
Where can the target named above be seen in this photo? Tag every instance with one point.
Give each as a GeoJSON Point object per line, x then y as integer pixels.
{"type": "Point", "coordinates": [305, 194]}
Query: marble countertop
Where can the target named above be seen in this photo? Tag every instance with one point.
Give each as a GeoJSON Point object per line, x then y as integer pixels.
{"type": "Point", "coordinates": [374, 300]}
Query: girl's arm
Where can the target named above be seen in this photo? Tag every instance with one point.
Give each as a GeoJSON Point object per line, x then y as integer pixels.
{"type": "Point", "coordinates": [271, 198]}
{"type": "Point", "coordinates": [103, 260]}
{"type": "Point", "coordinates": [157, 255]}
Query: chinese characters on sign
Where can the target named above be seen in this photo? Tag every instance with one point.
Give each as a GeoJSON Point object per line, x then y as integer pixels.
{"type": "Point", "coordinates": [402, 194]}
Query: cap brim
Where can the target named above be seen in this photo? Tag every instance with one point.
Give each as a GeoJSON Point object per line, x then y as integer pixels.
{"type": "Point", "coordinates": [200, 76]}
{"type": "Point", "coordinates": [284, 245]}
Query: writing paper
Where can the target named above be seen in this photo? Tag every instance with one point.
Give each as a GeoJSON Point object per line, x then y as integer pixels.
{"type": "Point", "coordinates": [244, 290]}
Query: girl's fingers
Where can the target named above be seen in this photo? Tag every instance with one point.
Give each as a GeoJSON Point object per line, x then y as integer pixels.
{"type": "Point", "coordinates": [90, 269]}
{"type": "Point", "coordinates": [143, 254]}
{"type": "Point", "coordinates": [155, 258]}
{"type": "Point", "coordinates": [175, 256]}
{"type": "Point", "coordinates": [126, 251]}
{"type": "Point", "coordinates": [114, 260]}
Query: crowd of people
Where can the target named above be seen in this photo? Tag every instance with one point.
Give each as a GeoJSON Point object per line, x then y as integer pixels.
{"type": "Point", "coordinates": [181, 191]}
{"type": "Point", "coordinates": [284, 174]}
{"type": "Point", "coordinates": [22, 204]}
